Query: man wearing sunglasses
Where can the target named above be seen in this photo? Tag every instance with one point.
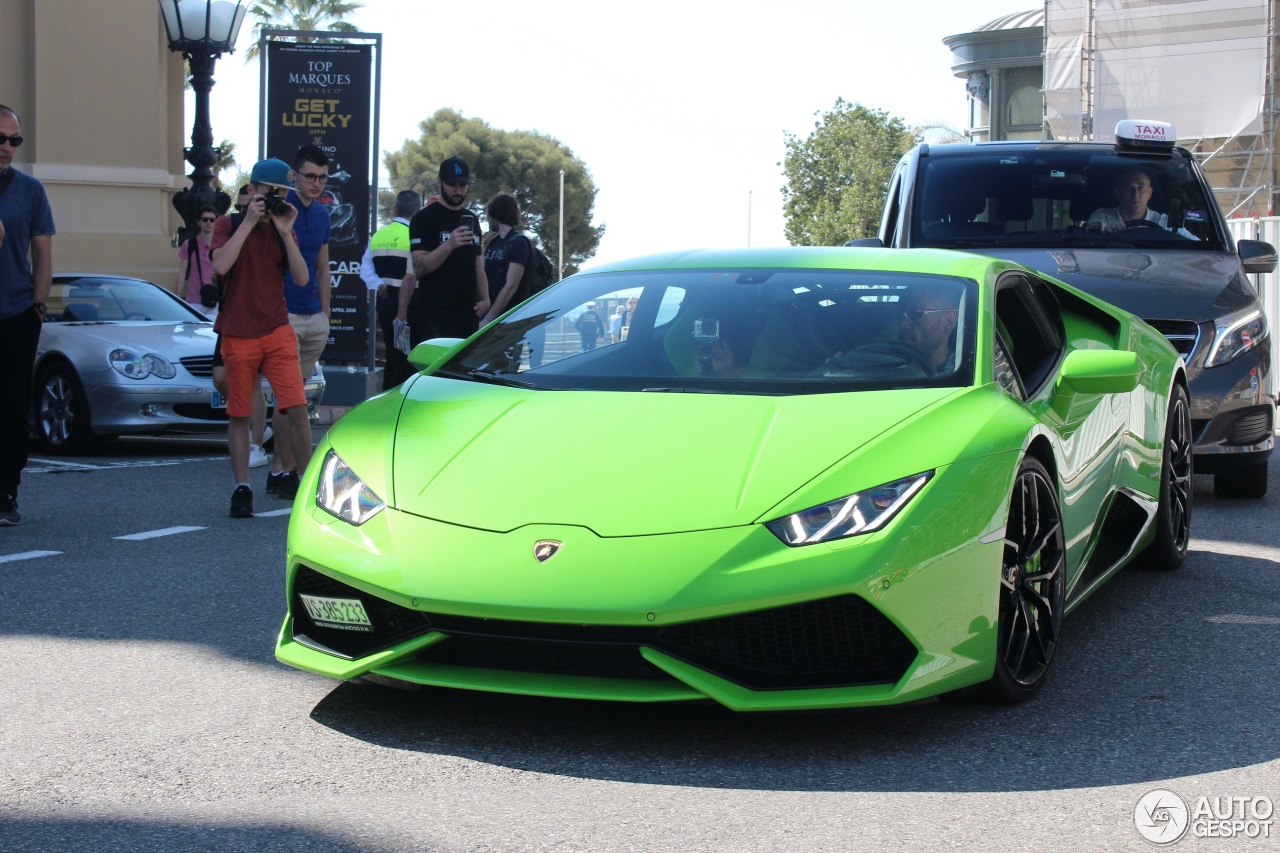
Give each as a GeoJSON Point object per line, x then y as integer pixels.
{"type": "Point", "coordinates": [927, 321]}
{"type": "Point", "coordinates": [308, 301]}
{"type": "Point", "coordinates": [26, 272]}
{"type": "Point", "coordinates": [195, 265]}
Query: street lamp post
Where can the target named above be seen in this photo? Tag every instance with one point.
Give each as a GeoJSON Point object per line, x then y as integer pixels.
{"type": "Point", "coordinates": [201, 30]}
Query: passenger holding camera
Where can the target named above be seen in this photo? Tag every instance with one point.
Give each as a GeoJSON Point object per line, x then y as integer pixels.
{"type": "Point", "coordinates": [254, 319]}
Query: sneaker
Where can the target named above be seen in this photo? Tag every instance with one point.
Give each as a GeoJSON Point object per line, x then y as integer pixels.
{"type": "Point", "coordinates": [273, 482]}
{"type": "Point", "coordinates": [268, 438]}
{"type": "Point", "coordinates": [242, 502]}
{"type": "Point", "coordinates": [256, 457]}
{"type": "Point", "coordinates": [288, 485]}
{"type": "Point", "coordinates": [9, 511]}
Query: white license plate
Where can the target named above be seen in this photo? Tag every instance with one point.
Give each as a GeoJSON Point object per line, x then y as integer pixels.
{"type": "Point", "coordinates": [217, 401]}
{"type": "Point", "coordinates": [346, 614]}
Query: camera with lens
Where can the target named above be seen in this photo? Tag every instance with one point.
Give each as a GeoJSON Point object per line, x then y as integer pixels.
{"type": "Point", "coordinates": [276, 206]}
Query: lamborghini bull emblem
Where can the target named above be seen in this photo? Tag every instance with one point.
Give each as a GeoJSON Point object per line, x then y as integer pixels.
{"type": "Point", "coordinates": [545, 549]}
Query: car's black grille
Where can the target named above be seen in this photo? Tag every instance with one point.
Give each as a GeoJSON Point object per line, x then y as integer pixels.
{"type": "Point", "coordinates": [1250, 428]}
{"type": "Point", "coordinates": [198, 365]}
{"type": "Point", "coordinates": [1183, 334]}
{"type": "Point", "coordinates": [826, 643]}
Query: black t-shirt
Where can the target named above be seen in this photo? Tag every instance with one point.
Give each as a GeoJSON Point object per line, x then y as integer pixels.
{"type": "Point", "coordinates": [452, 287]}
{"type": "Point", "coordinates": [500, 254]}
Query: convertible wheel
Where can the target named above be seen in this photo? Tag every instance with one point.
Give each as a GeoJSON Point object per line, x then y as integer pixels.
{"type": "Point", "coordinates": [1173, 518]}
{"type": "Point", "coordinates": [1032, 587]}
{"type": "Point", "coordinates": [62, 412]}
{"type": "Point", "coordinates": [1248, 482]}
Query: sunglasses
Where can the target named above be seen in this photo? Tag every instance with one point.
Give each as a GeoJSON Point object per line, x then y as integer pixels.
{"type": "Point", "coordinates": [915, 315]}
{"type": "Point", "coordinates": [14, 140]}
{"type": "Point", "coordinates": [208, 219]}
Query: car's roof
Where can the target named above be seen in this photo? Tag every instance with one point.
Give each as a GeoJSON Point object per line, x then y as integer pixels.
{"type": "Point", "coordinates": [960, 149]}
{"type": "Point", "coordinates": [105, 276]}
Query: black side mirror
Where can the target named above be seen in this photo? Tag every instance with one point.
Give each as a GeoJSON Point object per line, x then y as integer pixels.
{"type": "Point", "coordinates": [1256, 255]}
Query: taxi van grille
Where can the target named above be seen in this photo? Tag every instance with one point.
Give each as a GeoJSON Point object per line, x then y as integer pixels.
{"type": "Point", "coordinates": [832, 642]}
{"type": "Point", "coordinates": [1183, 334]}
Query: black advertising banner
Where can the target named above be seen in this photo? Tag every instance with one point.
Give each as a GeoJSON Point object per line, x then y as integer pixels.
{"type": "Point", "coordinates": [320, 94]}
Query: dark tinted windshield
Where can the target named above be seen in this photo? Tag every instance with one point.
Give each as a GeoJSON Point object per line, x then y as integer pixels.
{"type": "Point", "coordinates": [760, 331]}
{"type": "Point", "coordinates": [110, 299]}
{"type": "Point", "coordinates": [1061, 197]}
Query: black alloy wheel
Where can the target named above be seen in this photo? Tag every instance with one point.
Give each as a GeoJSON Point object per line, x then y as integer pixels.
{"type": "Point", "coordinates": [1032, 586]}
{"type": "Point", "coordinates": [1173, 517]}
{"type": "Point", "coordinates": [62, 411]}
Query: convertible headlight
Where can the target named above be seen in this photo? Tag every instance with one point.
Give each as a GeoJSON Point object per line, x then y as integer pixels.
{"type": "Point", "coordinates": [1236, 334]}
{"type": "Point", "coordinates": [863, 512]}
{"type": "Point", "coordinates": [340, 493]}
{"type": "Point", "coordinates": [130, 364]}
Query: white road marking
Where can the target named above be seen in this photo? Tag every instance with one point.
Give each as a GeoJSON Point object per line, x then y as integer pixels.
{"type": "Point", "coordinates": [27, 555]}
{"type": "Point", "coordinates": [59, 466]}
{"type": "Point", "coordinates": [274, 512]}
{"type": "Point", "coordinates": [153, 534]}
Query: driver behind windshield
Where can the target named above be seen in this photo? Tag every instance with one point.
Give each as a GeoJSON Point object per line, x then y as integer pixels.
{"type": "Point", "coordinates": [927, 322]}
{"type": "Point", "coordinates": [1132, 192]}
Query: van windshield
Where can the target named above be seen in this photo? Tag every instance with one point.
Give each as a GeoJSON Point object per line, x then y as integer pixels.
{"type": "Point", "coordinates": [1062, 198]}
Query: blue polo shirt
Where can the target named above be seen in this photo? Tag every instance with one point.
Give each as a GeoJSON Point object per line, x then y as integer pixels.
{"type": "Point", "coordinates": [24, 210]}
{"type": "Point", "coordinates": [312, 230]}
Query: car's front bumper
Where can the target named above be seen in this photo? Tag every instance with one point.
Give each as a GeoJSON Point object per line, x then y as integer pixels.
{"type": "Point", "coordinates": [730, 615]}
{"type": "Point", "coordinates": [1233, 412]}
{"type": "Point", "coordinates": [157, 407]}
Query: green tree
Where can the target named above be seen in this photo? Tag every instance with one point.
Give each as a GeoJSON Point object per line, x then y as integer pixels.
{"type": "Point", "coordinates": [312, 15]}
{"type": "Point", "coordinates": [838, 175]}
{"type": "Point", "coordinates": [521, 162]}
{"type": "Point", "coordinates": [226, 161]}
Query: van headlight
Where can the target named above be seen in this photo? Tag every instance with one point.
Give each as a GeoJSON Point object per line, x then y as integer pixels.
{"type": "Point", "coordinates": [1236, 334]}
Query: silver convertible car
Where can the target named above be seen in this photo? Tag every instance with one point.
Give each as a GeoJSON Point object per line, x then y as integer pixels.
{"type": "Point", "coordinates": [124, 356]}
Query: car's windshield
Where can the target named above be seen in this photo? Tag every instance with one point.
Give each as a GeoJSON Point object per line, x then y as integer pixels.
{"type": "Point", "coordinates": [111, 299]}
{"type": "Point", "coordinates": [1054, 197]}
{"type": "Point", "coordinates": [738, 331]}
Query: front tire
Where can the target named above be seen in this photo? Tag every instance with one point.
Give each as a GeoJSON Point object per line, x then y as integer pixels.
{"type": "Point", "coordinates": [1032, 587]}
{"type": "Point", "coordinates": [62, 412]}
{"type": "Point", "coordinates": [1173, 517]}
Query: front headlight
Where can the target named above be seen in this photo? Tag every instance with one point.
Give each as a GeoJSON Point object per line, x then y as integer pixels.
{"type": "Point", "coordinates": [134, 366]}
{"type": "Point", "coordinates": [341, 494]}
{"type": "Point", "coordinates": [1236, 334]}
{"type": "Point", "coordinates": [863, 512]}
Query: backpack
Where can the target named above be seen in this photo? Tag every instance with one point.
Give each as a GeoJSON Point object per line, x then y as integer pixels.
{"type": "Point", "coordinates": [537, 272]}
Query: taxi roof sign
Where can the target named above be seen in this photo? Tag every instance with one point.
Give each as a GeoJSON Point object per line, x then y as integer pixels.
{"type": "Point", "coordinates": [1142, 133]}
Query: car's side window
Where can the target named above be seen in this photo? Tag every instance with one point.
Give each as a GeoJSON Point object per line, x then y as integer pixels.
{"type": "Point", "coordinates": [1030, 318]}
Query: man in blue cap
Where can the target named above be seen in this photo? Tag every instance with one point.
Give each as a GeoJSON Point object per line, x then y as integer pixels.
{"type": "Point", "coordinates": [252, 255]}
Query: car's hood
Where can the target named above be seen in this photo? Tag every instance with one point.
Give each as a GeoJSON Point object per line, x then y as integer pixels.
{"type": "Point", "coordinates": [1163, 284]}
{"type": "Point", "coordinates": [499, 458]}
{"type": "Point", "coordinates": [171, 340]}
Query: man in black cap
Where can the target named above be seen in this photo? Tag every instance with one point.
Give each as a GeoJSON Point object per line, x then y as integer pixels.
{"type": "Point", "coordinates": [444, 244]}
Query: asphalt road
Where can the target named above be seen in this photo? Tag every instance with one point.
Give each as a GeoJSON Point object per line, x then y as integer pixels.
{"type": "Point", "coordinates": [141, 709]}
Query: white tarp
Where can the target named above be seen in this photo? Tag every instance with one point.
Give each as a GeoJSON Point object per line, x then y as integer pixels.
{"type": "Point", "coordinates": [1065, 25]}
{"type": "Point", "coordinates": [1200, 64]}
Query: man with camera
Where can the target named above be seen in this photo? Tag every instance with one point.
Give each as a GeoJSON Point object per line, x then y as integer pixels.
{"type": "Point", "coordinates": [252, 258]}
{"type": "Point", "coordinates": [444, 243]}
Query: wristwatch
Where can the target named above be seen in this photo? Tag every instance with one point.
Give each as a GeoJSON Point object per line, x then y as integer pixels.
{"type": "Point", "coordinates": [42, 308]}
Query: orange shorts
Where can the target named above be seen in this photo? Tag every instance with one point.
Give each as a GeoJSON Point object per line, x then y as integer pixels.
{"type": "Point", "coordinates": [275, 356]}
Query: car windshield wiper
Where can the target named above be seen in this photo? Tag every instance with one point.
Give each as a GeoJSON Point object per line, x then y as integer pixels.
{"type": "Point", "coordinates": [498, 378]}
{"type": "Point", "coordinates": [486, 376]}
